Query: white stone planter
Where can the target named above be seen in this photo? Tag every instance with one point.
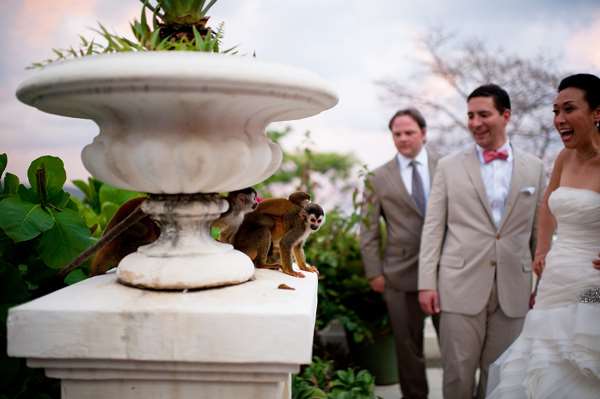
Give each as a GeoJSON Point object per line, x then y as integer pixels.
{"type": "Point", "coordinates": [180, 123]}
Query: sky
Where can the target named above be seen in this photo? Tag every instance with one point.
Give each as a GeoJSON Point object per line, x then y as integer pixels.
{"type": "Point", "coordinates": [349, 43]}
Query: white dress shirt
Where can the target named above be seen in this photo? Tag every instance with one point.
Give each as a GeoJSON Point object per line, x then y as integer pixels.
{"type": "Point", "coordinates": [422, 162]}
{"type": "Point", "coordinates": [496, 177]}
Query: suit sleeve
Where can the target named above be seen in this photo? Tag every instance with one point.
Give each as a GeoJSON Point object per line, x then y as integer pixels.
{"type": "Point", "coordinates": [541, 187]}
{"type": "Point", "coordinates": [434, 231]}
{"type": "Point", "coordinates": [370, 236]}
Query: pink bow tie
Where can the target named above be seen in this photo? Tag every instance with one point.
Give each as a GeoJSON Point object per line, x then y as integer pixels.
{"type": "Point", "coordinates": [490, 155]}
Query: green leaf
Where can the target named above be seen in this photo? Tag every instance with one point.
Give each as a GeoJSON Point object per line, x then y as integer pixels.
{"type": "Point", "coordinates": [75, 276]}
{"type": "Point", "coordinates": [67, 239]}
{"type": "Point", "coordinates": [3, 163]}
{"type": "Point", "coordinates": [60, 199]}
{"type": "Point", "coordinates": [11, 184]}
{"type": "Point", "coordinates": [22, 220]}
{"type": "Point", "coordinates": [108, 210]}
{"type": "Point", "coordinates": [116, 195]}
{"type": "Point", "coordinates": [83, 187]}
{"type": "Point", "coordinates": [55, 174]}
{"type": "Point", "coordinates": [27, 194]}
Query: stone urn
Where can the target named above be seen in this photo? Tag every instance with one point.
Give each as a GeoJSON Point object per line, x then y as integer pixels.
{"type": "Point", "coordinates": [181, 126]}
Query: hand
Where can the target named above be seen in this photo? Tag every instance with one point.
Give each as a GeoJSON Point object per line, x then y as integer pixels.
{"type": "Point", "coordinates": [596, 262]}
{"type": "Point", "coordinates": [378, 284]}
{"type": "Point", "coordinates": [429, 301]}
{"type": "Point", "coordinates": [539, 263]}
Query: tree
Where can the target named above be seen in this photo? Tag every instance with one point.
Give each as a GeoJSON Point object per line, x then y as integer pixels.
{"type": "Point", "coordinates": [452, 69]}
{"type": "Point", "coordinates": [320, 174]}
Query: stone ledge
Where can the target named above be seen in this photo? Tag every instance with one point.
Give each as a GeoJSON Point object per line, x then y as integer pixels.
{"type": "Point", "coordinates": [254, 322]}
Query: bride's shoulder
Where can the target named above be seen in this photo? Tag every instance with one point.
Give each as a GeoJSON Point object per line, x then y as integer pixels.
{"type": "Point", "coordinates": [563, 156]}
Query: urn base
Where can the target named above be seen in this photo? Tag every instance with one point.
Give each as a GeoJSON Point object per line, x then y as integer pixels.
{"type": "Point", "coordinates": [185, 256]}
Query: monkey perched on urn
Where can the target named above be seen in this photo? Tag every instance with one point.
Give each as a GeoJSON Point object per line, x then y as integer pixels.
{"type": "Point", "coordinates": [130, 228]}
{"type": "Point", "coordinates": [283, 223]}
{"type": "Point", "coordinates": [240, 202]}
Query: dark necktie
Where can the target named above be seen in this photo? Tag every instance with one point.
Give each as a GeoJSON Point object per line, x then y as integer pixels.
{"type": "Point", "coordinates": [418, 193]}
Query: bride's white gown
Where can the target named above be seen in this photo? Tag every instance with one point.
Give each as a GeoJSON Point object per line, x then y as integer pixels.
{"type": "Point", "coordinates": [557, 354]}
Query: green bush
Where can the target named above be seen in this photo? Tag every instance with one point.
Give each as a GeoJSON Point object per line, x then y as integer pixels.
{"type": "Point", "coordinates": [40, 232]}
{"type": "Point", "coordinates": [42, 229]}
{"type": "Point", "coordinates": [320, 381]}
{"type": "Point", "coordinates": [344, 292]}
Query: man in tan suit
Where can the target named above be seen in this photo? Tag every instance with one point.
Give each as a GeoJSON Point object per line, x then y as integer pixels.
{"type": "Point", "coordinates": [477, 245]}
{"type": "Point", "coordinates": [397, 192]}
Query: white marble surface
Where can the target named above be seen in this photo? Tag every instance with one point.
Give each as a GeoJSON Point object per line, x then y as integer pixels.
{"type": "Point", "coordinates": [101, 319]}
{"type": "Point", "coordinates": [106, 340]}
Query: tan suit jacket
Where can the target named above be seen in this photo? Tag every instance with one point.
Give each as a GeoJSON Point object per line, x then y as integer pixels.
{"type": "Point", "coordinates": [461, 247]}
{"type": "Point", "coordinates": [387, 197]}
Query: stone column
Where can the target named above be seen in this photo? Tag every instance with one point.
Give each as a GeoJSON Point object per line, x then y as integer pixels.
{"type": "Point", "coordinates": [106, 340]}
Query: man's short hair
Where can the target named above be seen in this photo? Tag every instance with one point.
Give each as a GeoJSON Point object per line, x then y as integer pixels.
{"type": "Point", "coordinates": [412, 113]}
{"type": "Point", "coordinates": [499, 96]}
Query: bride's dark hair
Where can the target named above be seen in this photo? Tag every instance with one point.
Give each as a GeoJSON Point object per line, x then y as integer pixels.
{"type": "Point", "coordinates": [588, 83]}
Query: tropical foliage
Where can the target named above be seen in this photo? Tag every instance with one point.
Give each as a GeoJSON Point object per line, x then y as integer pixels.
{"type": "Point", "coordinates": [319, 380]}
{"type": "Point", "coordinates": [42, 229]}
{"type": "Point", "coordinates": [176, 25]}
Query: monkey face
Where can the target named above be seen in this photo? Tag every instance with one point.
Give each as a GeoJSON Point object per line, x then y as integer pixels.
{"type": "Point", "coordinates": [252, 201]}
{"type": "Point", "coordinates": [314, 216]}
{"type": "Point", "coordinates": [246, 200]}
{"type": "Point", "coordinates": [315, 221]}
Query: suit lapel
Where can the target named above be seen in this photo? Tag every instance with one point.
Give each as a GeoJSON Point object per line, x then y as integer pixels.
{"type": "Point", "coordinates": [516, 181]}
{"type": "Point", "coordinates": [473, 168]}
{"type": "Point", "coordinates": [396, 183]}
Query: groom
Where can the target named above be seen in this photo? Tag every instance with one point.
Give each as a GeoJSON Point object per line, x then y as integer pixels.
{"type": "Point", "coordinates": [477, 244]}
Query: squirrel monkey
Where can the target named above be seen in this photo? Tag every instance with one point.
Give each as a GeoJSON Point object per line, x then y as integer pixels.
{"type": "Point", "coordinates": [115, 245]}
{"type": "Point", "coordinates": [240, 202]}
{"type": "Point", "coordinates": [141, 232]}
{"type": "Point", "coordinates": [283, 223]}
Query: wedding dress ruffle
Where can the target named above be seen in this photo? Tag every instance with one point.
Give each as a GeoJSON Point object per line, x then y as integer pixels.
{"type": "Point", "coordinates": [557, 354]}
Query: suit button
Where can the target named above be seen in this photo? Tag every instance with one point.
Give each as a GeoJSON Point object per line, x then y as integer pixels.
{"type": "Point", "coordinates": [493, 263]}
{"type": "Point", "coordinates": [497, 236]}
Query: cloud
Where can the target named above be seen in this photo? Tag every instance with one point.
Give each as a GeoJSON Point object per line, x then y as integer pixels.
{"type": "Point", "coordinates": [582, 46]}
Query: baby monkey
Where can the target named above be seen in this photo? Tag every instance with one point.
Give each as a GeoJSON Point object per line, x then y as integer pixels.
{"type": "Point", "coordinates": [282, 223]}
{"type": "Point", "coordinates": [240, 202]}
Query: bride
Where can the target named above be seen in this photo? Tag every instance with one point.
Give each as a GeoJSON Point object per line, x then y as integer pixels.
{"type": "Point", "coordinates": [557, 354]}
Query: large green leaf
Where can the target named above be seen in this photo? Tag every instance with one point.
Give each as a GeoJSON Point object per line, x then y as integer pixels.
{"type": "Point", "coordinates": [60, 199]}
{"type": "Point", "coordinates": [55, 173]}
{"type": "Point", "coordinates": [27, 194]}
{"type": "Point", "coordinates": [67, 239]}
{"type": "Point", "coordinates": [11, 184]}
{"type": "Point", "coordinates": [22, 220]}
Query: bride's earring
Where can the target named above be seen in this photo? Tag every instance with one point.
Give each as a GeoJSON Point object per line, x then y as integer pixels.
{"type": "Point", "coordinates": [598, 125]}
